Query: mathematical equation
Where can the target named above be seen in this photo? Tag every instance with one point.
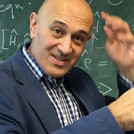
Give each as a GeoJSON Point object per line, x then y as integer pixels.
{"type": "Point", "coordinates": [9, 38]}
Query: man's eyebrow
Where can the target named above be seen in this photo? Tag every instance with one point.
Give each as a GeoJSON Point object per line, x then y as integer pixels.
{"type": "Point", "coordinates": [59, 22]}
{"type": "Point", "coordinates": [83, 32]}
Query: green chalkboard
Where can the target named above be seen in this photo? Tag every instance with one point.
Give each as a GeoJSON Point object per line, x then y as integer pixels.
{"type": "Point", "coordinates": [14, 31]}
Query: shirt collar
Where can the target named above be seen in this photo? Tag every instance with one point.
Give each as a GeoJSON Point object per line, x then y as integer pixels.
{"type": "Point", "coordinates": [34, 66]}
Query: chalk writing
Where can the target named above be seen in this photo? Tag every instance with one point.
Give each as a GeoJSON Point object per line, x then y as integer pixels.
{"type": "Point", "coordinates": [4, 8]}
{"type": "Point", "coordinates": [90, 1]}
{"type": "Point", "coordinates": [102, 63]}
{"type": "Point", "coordinates": [11, 39]}
{"type": "Point", "coordinates": [115, 2]}
{"type": "Point", "coordinates": [106, 89]}
{"type": "Point", "coordinates": [3, 39]}
{"type": "Point", "coordinates": [84, 52]}
{"type": "Point", "coordinates": [95, 28]}
{"type": "Point", "coordinates": [133, 27]}
{"type": "Point", "coordinates": [87, 61]}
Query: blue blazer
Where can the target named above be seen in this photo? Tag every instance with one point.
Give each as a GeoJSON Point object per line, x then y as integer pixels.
{"type": "Point", "coordinates": [26, 109]}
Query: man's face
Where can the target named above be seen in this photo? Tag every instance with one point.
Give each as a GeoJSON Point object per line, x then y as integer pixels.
{"type": "Point", "coordinates": [59, 36]}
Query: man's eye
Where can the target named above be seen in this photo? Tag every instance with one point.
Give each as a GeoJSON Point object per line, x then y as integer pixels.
{"type": "Point", "coordinates": [79, 39]}
{"type": "Point", "coordinates": [57, 31]}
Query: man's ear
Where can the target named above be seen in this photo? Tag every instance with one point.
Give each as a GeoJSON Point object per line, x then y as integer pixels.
{"type": "Point", "coordinates": [33, 24]}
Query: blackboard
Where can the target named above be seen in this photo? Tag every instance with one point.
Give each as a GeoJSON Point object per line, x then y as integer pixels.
{"type": "Point", "coordinates": [14, 31]}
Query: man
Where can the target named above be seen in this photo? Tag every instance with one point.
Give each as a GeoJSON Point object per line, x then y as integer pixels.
{"type": "Point", "coordinates": [41, 92]}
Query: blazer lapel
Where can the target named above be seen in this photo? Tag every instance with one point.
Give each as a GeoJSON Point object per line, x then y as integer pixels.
{"type": "Point", "coordinates": [35, 94]}
{"type": "Point", "coordinates": [85, 90]}
{"type": "Point", "coordinates": [81, 94]}
{"type": "Point", "coordinates": [38, 99]}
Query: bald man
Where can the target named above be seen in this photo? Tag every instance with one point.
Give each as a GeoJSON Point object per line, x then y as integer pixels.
{"type": "Point", "coordinates": [41, 92]}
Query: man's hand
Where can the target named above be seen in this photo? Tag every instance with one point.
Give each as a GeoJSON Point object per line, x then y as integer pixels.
{"type": "Point", "coordinates": [123, 110]}
{"type": "Point", "coordinates": [119, 44]}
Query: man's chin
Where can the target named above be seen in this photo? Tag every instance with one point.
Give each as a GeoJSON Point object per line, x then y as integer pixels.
{"type": "Point", "coordinates": [59, 73]}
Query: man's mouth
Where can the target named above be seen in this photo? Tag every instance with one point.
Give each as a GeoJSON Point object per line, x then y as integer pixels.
{"type": "Point", "coordinates": [59, 61]}
{"type": "Point", "coordinates": [60, 58]}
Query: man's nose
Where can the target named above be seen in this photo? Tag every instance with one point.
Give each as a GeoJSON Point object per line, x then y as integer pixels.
{"type": "Point", "coordinates": [65, 45]}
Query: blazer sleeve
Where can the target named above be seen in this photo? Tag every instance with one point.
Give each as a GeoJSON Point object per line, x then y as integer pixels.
{"type": "Point", "coordinates": [99, 122]}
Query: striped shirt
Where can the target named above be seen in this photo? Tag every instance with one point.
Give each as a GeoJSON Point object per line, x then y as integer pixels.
{"type": "Point", "coordinates": [126, 81]}
{"type": "Point", "coordinates": [66, 106]}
